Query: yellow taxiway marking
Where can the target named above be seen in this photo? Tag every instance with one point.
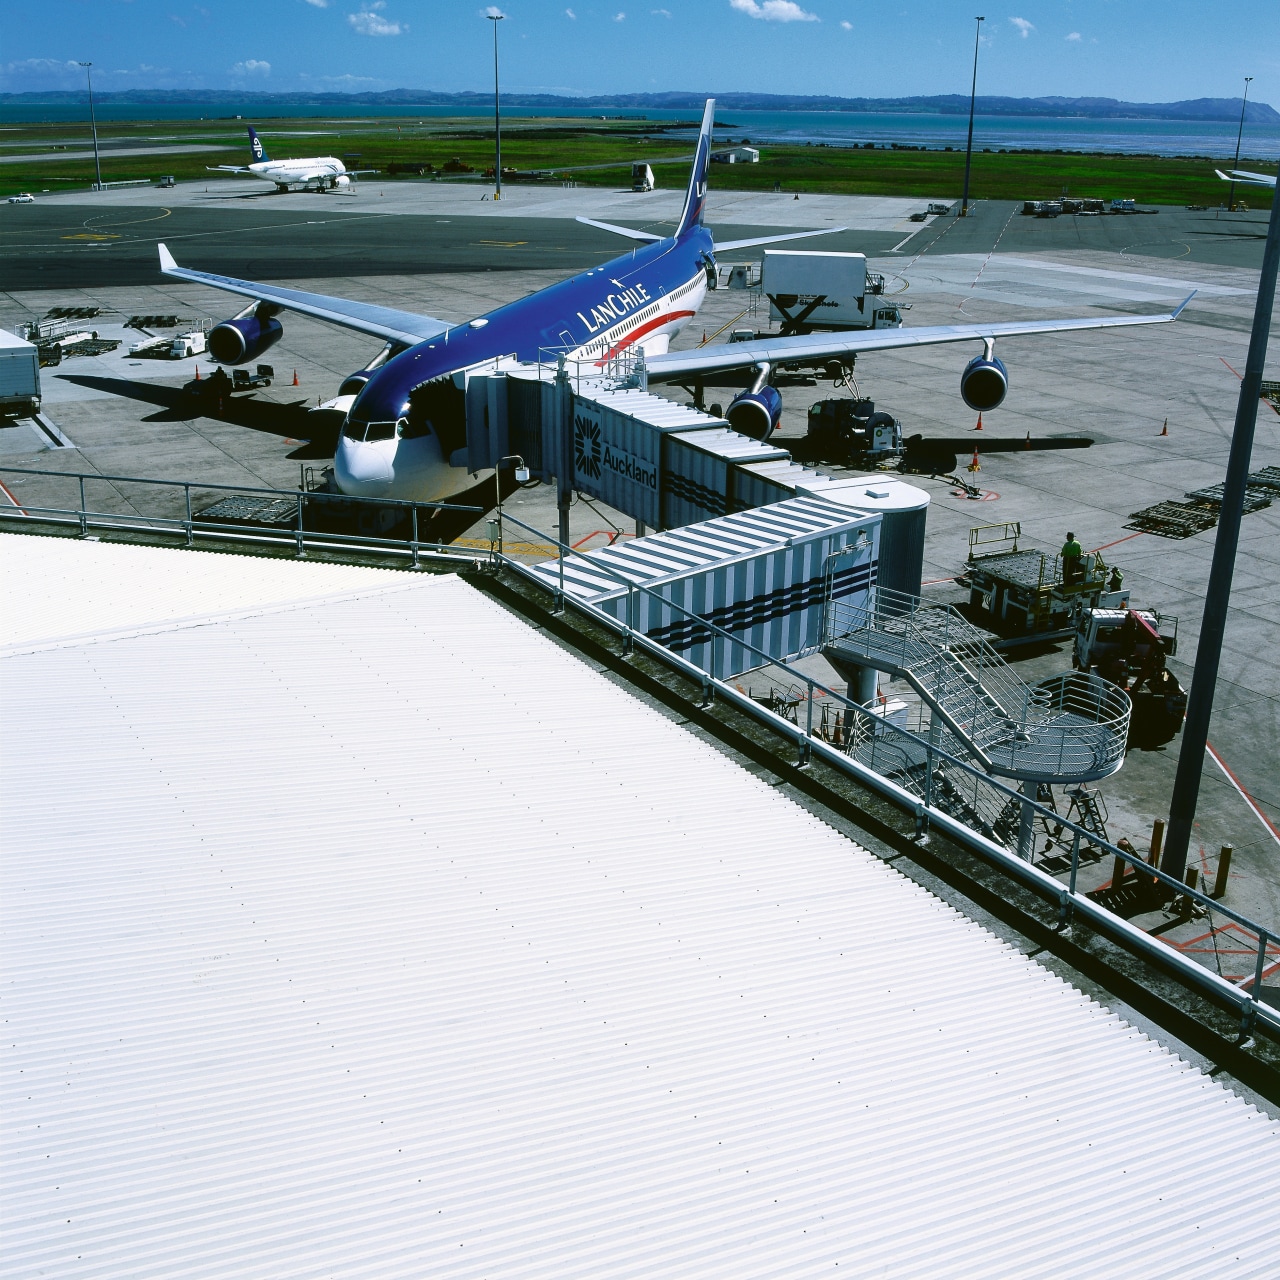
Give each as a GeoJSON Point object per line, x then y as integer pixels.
{"type": "Point", "coordinates": [503, 244]}
{"type": "Point", "coordinates": [88, 235]}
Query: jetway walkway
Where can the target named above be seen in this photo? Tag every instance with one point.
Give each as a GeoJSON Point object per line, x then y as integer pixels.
{"type": "Point", "coordinates": [1073, 728]}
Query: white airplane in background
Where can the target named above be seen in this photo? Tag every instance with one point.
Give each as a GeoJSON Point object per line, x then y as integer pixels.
{"type": "Point", "coordinates": [322, 172]}
{"type": "Point", "coordinates": [1243, 175]}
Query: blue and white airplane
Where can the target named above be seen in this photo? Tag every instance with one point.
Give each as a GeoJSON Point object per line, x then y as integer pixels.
{"type": "Point", "coordinates": [322, 172]}
{"type": "Point", "coordinates": [1247, 177]}
{"type": "Point", "coordinates": [404, 432]}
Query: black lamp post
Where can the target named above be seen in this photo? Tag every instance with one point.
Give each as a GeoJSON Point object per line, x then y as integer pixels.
{"type": "Point", "coordinates": [1231, 192]}
{"type": "Point", "coordinates": [496, 18]}
{"type": "Point", "coordinates": [973, 94]}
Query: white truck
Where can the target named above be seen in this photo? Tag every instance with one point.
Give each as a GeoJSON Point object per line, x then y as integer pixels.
{"type": "Point", "coordinates": [19, 377]}
{"type": "Point", "coordinates": [809, 290]}
{"type": "Point", "coordinates": [180, 347]}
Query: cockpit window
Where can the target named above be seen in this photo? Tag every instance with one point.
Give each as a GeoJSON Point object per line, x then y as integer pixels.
{"type": "Point", "coordinates": [381, 431]}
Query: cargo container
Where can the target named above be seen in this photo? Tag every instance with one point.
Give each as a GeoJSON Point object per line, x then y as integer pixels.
{"type": "Point", "coordinates": [809, 290]}
{"type": "Point", "coordinates": [19, 377]}
{"type": "Point", "coordinates": [763, 576]}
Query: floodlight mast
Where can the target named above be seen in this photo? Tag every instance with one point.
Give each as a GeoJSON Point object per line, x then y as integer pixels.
{"type": "Point", "coordinates": [1204, 678]}
{"type": "Point", "coordinates": [973, 96]}
{"type": "Point", "coordinates": [496, 18]}
{"type": "Point", "coordinates": [1231, 191]}
{"type": "Point", "coordinates": [93, 121]}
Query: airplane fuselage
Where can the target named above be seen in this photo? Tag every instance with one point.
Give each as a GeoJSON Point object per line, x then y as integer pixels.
{"type": "Point", "coordinates": [392, 448]}
{"type": "Point", "coordinates": [322, 171]}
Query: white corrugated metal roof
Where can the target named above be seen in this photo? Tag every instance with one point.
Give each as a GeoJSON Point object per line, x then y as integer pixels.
{"type": "Point", "coordinates": [59, 588]}
{"type": "Point", "coordinates": [381, 937]}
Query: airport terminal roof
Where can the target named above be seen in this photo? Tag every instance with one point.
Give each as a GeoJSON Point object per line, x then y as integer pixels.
{"type": "Point", "coordinates": [351, 927]}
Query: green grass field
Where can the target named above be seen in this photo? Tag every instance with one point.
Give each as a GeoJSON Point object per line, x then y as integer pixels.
{"type": "Point", "coordinates": [570, 149]}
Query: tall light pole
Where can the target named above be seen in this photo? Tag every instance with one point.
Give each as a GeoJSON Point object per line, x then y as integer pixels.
{"type": "Point", "coordinates": [93, 120]}
{"type": "Point", "coordinates": [1204, 677]}
{"type": "Point", "coordinates": [1231, 193]}
{"type": "Point", "coordinates": [973, 95]}
{"type": "Point", "coordinates": [496, 18]}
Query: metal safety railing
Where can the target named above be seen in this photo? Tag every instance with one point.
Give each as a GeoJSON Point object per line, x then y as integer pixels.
{"type": "Point", "coordinates": [920, 775]}
{"type": "Point", "coordinates": [179, 518]}
{"type": "Point", "coordinates": [1072, 728]}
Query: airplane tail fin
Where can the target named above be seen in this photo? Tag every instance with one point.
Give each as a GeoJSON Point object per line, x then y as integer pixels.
{"type": "Point", "coordinates": [695, 198]}
{"type": "Point", "coordinates": [256, 149]}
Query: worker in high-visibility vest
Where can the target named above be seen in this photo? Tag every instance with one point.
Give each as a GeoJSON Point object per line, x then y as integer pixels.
{"type": "Point", "coordinates": [1072, 554]}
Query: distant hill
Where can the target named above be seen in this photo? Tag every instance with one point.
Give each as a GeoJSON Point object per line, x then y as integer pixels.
{"type": "Point", "coordinates": [941, 104]}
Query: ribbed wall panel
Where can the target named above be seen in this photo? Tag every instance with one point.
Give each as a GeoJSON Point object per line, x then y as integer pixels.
{"type": "Point", "coordinates": [380, 937]}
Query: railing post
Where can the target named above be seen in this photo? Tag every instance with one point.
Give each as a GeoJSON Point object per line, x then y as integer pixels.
{"type": "Point", "coordinates": [302, 551]}
{"type": "Point", "coordinates": [1026, 827]}
{"type": "Point", "coordinates": [806, 748]}
{"type": "Point", "coordinates": [191, 537]}
{"type": "Point", "coordinates": [84, 520]}
{"type": "Point", "coordinates": [627, 641]}
{"type": "Point", "coordinates": [1260, 965]}
{"type": "Point", "coordinates": [559, 600]}
{"type": "Point", "coordinates": [1075, 862]}
{"type": "Point", "coordinates": [417, 563]}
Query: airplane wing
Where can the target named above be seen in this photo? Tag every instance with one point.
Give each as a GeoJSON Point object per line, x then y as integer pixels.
{"type": "Point", "coordinates": [227, 168]}
{"type": "Point", "coordinates": [1243, 175]}
{"type": "Point", "coordinates": [812, 349]}
{"type": "Point", "coordinates": [380, 322]}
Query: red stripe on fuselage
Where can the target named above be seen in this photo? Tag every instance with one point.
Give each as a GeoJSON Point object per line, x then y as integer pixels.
{"type": "Point", "coordinates": [656, 323]}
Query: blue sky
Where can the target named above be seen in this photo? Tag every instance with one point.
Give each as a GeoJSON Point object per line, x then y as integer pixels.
{"type": "Point", "coordinates": [1144, 50]}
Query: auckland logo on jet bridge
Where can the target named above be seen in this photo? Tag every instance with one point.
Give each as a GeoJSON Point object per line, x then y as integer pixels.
{"type": "Point", "coordinates": [586, 446]}
{"type": "Point", "coordinates": [591, 456]}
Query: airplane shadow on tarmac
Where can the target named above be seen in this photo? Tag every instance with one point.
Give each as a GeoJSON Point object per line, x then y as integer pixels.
{"type": "Point", "coordinates": [292, 422]}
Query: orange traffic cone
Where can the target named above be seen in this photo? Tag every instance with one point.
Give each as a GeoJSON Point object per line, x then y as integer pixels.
{"type": "Point", "coordinates": [197, 373]}
{"type": "Point", "coordinates": [979, 426]}
{"type": "Point", "coordinates": [295, 377]}
{"type": "Point", "coordinates": [1164, 431]}
{"type": "Point", "coordinates": [975, 465]}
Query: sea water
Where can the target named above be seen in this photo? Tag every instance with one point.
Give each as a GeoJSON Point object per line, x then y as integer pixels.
{"type": "Point", "coordinates": [1215, 138]}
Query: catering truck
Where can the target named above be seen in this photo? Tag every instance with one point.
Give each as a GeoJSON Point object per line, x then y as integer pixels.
{"type": "Point", "coordinates": [19, 377]}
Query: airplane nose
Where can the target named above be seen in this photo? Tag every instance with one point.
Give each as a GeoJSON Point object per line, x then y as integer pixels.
{"type": "Point", "coordinates": [364, 470]}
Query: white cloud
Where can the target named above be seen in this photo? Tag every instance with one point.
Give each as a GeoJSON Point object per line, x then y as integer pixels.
{"type": "Point", "coordinates": [661, 13]}
{"type": "Point", "coordinates": [1024, 27]}
{"type": "Point", "coordinates": [1075, 36]}
{"type": "Point", "coordinates": [370, 22]}
{"type": "Point", "coordinates": [569, 13]}
{"type": "Point", "coordinates": [251, 67]}
{"type": "Point", "coordinates": [494, 12]}
{"type": "Point", "coordinates": [318, 4]}
{"type": "Point", "coordinates": [847, 26]}
{"type": "Point", "coordinates": [774, 10]}
{"type": "Point", "coordinates": [619, 17]}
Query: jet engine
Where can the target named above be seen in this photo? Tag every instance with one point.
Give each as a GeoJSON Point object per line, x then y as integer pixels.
{"type": "Point", "coordinates": [244, 338]}
{"type": "Point", "coordinates": [984, 382]}
{"type": "Point", "coordinates": [757, 411]}
{"type": "Point", "coordinates": [342, 180]}
{"type": "Point", "coordinates": [353, 383]}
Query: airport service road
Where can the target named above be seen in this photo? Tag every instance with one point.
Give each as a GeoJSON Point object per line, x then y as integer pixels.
{"type": "Point", "coordinates": [1117, 386]}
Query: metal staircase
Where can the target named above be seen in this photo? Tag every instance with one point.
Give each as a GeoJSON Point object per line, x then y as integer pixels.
{"type": "Point", "coordinates": [1071, 729]}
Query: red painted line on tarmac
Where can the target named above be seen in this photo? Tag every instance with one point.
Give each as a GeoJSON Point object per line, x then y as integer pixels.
{"type": "Point", "coordinates": [1269, 404]}
{"type": "Point", "coordinates": [933, 582]}
{"type": "Point", "coordinates": [612, 534]}
{"type": "Point", "coordinates": [1232, 370]}
{"type": "Point", "coordinates": [1239, 786]}
{"type": "Point", "coordinates": [12, 499]}
{"type": "Point", "coordinates": [1117, 542]}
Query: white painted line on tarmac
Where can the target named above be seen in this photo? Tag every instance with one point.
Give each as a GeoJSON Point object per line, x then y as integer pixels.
{"type": "Point", "coordinates": [1244, 795]}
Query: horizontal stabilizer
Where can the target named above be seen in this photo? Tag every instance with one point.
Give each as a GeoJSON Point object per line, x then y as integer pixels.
{"type": "Point", "coordinates": [726, 245]}
{"type": "Point", "coordinates": [619, 231]}
{"type": "Point", "coordinates": [1243, 175]}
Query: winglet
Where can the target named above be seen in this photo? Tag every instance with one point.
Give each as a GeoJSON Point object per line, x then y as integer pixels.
{"type": "Point", "coordinates": [1182, 305]}
{"type": "Point", "coordinates": [166, 259]}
